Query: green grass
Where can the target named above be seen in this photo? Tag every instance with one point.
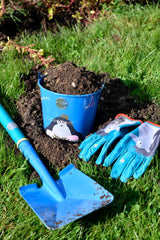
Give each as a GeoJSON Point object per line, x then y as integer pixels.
{"type": "Point", "coordinates": [135, 58]}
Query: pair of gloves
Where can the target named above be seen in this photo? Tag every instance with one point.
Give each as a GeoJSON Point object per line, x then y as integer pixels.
{"type": "Point", "coordinates": [137, 144]}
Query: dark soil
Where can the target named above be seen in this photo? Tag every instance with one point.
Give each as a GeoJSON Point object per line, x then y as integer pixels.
{"type": "Point", "coordinates": [69, 79]}
{"type": "Point", "coordinates": [115, 98]}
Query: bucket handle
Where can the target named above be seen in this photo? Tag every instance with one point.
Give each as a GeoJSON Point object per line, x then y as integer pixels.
{"type": "Point", "coordinates": [40, 77]}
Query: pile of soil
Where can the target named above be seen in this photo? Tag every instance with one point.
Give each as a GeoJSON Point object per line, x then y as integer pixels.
{"type": "Point", "coordinates": [69, 79]}
{"type": "Point", "coordinates": [115, 98]}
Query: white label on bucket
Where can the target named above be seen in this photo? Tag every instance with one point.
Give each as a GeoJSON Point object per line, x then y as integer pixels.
{"type": "Point", "coordinates": [45, 98]}
{"type": "Point", "coordinates": [11, 126]}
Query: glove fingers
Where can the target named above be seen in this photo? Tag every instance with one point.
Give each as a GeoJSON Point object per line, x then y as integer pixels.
{"type": "Point", "coordinates": [103, 152]}
{"type": "Point", "coordinates": [115, 154]}
{"type": "Point", "coordinates": [119, 150]}
{"type": "Point", "coordinates": [141, 169]}
{"type": "Point", "coordinates": [87, 147]}
{"type": "Point", "coordinates": [131, 167]}
{"type": "Point", "coordinates": [121, 163]}
{"type": "Point", "coordinates": [87, 140]}
{"type": "Point", "coordinates": [86, 153]}
{"type": "Point", "coordinates": [95, 148]}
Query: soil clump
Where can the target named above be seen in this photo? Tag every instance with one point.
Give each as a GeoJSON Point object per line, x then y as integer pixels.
{"type": "Point", "coordinates": [69, 79]}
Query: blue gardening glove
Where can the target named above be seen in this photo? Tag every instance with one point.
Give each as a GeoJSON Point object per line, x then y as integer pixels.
{"type": "Point", "coordinates": [114, 130]}
{"type": "Point", "coordinates": [134, 152]}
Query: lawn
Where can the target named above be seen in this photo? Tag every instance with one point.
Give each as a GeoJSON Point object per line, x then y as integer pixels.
{"type": "Point", "coordinates": [124, 43]}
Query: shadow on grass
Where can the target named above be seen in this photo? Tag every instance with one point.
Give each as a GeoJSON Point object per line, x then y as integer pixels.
{"type": "Point", "coordinates": [6, 101]}
{"type": "Point", "coordinates": [124, 199]}
{"type": "Point", "coordinates": [124, 196]}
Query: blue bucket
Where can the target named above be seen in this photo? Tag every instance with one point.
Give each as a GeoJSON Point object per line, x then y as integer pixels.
{"type": "Point", "coordinates": [68, 117]}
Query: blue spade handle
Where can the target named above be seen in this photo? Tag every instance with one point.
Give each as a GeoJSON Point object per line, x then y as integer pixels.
{"type": "Point", "coordinates": [28, 151]}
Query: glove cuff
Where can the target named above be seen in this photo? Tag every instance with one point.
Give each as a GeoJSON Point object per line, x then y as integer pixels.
{"type": "Point", "coordinates": [154, 124]}
{"type": "Point", "coordinates": [124, 115]}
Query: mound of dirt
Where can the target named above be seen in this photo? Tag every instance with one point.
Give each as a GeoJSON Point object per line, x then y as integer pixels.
{"type": "Point", "coordinates": [115, 98]}
{"type": "Point", "coordinates": [69, 79]}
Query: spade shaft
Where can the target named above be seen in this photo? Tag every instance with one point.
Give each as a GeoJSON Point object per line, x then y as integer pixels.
{"type": "Point", "coordinates": [28, 151]}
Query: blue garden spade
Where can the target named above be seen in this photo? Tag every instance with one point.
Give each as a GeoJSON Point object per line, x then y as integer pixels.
{"type": "Point", "coordinates": [57, 202]}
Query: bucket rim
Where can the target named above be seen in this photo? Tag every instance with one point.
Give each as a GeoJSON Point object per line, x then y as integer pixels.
{"type": "Point", "coordinates": [40, 80]}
